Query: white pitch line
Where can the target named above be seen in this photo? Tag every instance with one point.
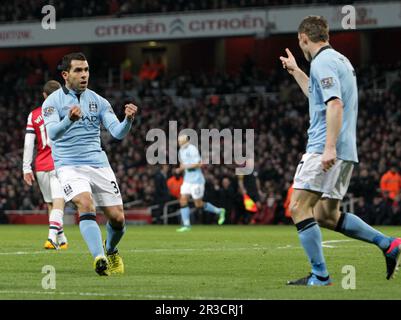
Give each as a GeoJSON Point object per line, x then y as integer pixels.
{"type": "Point", "coordinates": [125, 295]}
{"type": "Point", "coordinates": [326, 244]}
{"type": "Point", "coordinates": [142, 250]}
{"type": "Point", "coordinates": [16, 253]}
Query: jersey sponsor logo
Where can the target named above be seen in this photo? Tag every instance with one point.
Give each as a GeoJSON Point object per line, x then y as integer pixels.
{"type": "Point", "coordinates": [48, 111]}
{"type": "Point", "coordinates": [67, 189]}
{"type": "Point", "coordinates": [89, 118]}
{"type": "Point", "coordinates": [92, 107]}
{"type": "Point", "coordinates": [327, 82]}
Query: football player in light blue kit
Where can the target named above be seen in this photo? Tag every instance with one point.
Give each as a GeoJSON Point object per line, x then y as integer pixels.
{"type": "Point", "coordinates": [194, 184]}
{"type": "Point", "coordinates": [73, 116]}
{"type": "Point", "coordinates": [323, 175]}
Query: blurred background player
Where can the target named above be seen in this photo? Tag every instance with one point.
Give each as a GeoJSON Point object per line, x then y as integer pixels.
{"type": "Point", "coordinates": [73, 116]}
{"type": "Point", "coordinates": [45, 173]}
{"type": "Point", "coordinates": [324, 173]}
{"type": "Point", "coordinates": [193, 185]}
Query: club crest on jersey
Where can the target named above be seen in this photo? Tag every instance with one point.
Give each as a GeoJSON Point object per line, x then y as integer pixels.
{"type": "Point", "coordinates": [48, 111]}
{"type": "Point", "coordinates": [92, 106]}
{"type": "Point", "coordinates": [67, 189]}
{"type": "Point", "coordinates": [327, 82]}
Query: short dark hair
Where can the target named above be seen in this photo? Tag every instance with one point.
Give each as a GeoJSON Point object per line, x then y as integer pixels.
{"type": "Point", "coordinates": [66, 61]}
{"type": "Point", "coordinates": [51, 86]}
{"type": "Point", "coordinates": [315, 27]}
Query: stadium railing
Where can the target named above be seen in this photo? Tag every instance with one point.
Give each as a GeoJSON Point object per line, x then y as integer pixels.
{"type": "Point", "coordinates": [167, 215]}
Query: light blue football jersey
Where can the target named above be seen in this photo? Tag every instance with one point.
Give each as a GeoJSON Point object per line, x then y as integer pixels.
{"type": "Point", "coordinates": [189, 154]}
{"type": "Point", "coordinates": [78, 143]}
{"type": "Point", "coordinates": [332, 76]}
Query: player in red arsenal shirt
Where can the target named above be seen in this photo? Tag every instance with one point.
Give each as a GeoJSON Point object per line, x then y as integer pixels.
{"type": "Point", "coordinates": [45, 173]}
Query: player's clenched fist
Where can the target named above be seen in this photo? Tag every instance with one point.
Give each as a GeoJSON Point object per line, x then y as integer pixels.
{"type": "Point", "coordinates": [130, 111]}
{"type": "Point", "coordinates": [75, 113]}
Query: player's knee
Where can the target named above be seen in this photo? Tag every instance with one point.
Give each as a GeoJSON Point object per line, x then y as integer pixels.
{"type": "Point", "coordinates": [321, 220]}
{"type": "Point", "coordinates": [183, 202]}
{"type": "Point", "coordinates": [294, 208]}
{"type": "Point", "coordinates": [297, 209]}
{"type": "Point", "coordinates": [84, 203]}
{"type": "Point", "coordinates": [327, 221]}
{"type": "Point", "coordinates": [117, 222]}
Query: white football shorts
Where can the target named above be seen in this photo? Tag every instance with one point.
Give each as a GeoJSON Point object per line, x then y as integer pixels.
{"type": "Point", "coordinates": [333, 184]}
{"type": "Point", "coordinates": [100, 182]}
{"type": "Point", "coordinates": [196, 190]}
{"type": "Point", "coordinates": [49, 185]}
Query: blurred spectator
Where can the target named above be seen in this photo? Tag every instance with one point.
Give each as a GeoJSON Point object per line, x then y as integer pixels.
{"type": "Point", "coordinates": [162, 194]}
{"type": "Point", "coordinates": [287, 202]}
{"type": "Point", "coordinates": [248, 185]}
{"type": "Point", "coordinates": [383, 211]}
{"type": "Point", "coordinates": [390, 183]}
{"type": "Point", "coordinates": [364, 186]}
{"type": "Point", "coordinates": [158, 69]}
{"type": "Point", "coordinates": [365, 210]}
{"type": "Point", "coordinates": [174, 185]}
{"type": "Point", "coordinates": [227, 195]}
{"type": "Point", "coordinates": [126, 67]}
{"type": "Point", "coordinates": [146, 71]}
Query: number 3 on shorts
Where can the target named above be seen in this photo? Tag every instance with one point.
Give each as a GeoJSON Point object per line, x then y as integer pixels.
{"type": "Point", "coordinates": [116, 191]}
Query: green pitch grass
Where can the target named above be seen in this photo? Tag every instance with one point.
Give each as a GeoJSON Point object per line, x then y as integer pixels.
{"type": "Point", "coordinates": [210, 262]}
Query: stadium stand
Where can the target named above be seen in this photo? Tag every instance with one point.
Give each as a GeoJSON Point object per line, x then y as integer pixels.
{"type": "Point", "coordinates": [269, 103]}
{"type": "Point", "coordinates": [22, 10]}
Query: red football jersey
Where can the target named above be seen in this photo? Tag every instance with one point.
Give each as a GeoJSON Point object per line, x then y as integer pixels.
{"type": "Point", "coordinates": [43, 160]}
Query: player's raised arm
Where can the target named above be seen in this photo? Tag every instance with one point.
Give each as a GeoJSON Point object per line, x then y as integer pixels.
{"type": "Point", "coordinates": [29, 145]}
{"type": "Point", "coordinates": [290, 64]}
{"type": "Point", "coordinates": [110, 121]}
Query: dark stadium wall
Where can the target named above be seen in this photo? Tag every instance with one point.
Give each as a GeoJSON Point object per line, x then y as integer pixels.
{"type": "Point", "coordinates": [51, 55]}
{"type": "Point", "coordinates": [113, 53]}
{"type": "Point", "coordinates": [266, 52]}
{"type": "Point", "coordinates": [349, 44]}
{"type": "Point", "coordinates": [198, 55]}
{"type": "Point", "coordinates": [385, 45]}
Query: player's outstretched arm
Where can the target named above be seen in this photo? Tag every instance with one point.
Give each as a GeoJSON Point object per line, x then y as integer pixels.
{"type": "Point", "coordinates": [290, 64]}
{"type": "Point", "coordinates": [116, 128]}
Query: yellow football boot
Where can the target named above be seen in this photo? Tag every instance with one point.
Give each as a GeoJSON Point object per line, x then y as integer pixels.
{"type": "Point", "coordinates": [51, 245]}
{"type": "Point", "coordinates": [63, 246]}
{"type": "Point", "coordinates": [116, 264]}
